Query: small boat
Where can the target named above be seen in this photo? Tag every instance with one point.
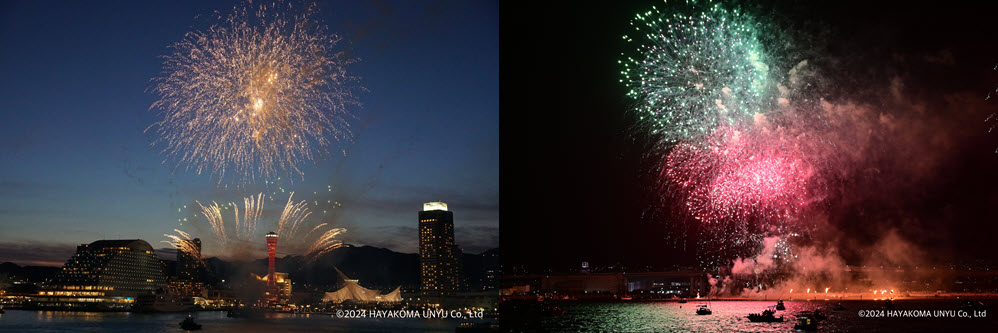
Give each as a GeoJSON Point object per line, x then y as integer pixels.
{"type": "Point", "coordinates": [765, 317]}
{"type": "Point", "coordinates": [779, 306]}
{"type": "Point", "coordinates": [816, 315]}
{"type": "Point", "coordinates": [819, 315]}
{"type": "Point", "coordinates": [625, 298]}
{"type": "Point", "coordinates": [551, 310]}
{"type": "Point", "coordinates": [682, 300]}
{"type": "Point", "coordinates": [806, 323]}
{"type": "Point", "coordinates": [968, 305]}
{"type": "Point", "coordinates": [703, 310]}
{"type": "Point", "coordinates": [246, 313]}
{"type": "Point", "coordinates": [554, 311]}
{"type": "Point", "coordinates": [469, 326]}
{"type": "Point", "coordinates": [838, 307]}
{"type": "Point", "coordinates": [189, 324]}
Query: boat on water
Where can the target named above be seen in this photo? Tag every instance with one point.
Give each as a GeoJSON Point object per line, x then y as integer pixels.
{"type": "Point", "coordinates": [554, 311]}
{"type": "Point", "coordinates": [779, 306]}
{"type": "Point", "coordinates": [703, 310]}
{"type": "Point", "coordinates": [682, 300]}
{"type": "Point", "coordinates": [767, 316]}
{"type": "Point", "coordinates": [163, 302]}
{"type": "Point", "coordinates": [625, 298]}
{"type": "Point", "coordinates": [189, 324]}
{"type": "Point", "coordinates": [550, 309]}
{"type": "Point", "coordinates": [246, 313]}
{"type": "Point", "coordinates": [968, 305]}
{"type": "Point", "coordinates": [816, 315]}
{"type": "Point", "coordinates": [806, 323]}
{"type": "Point", "coordinates": [474, 327]}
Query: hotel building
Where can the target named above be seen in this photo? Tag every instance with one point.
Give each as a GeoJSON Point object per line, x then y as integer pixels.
{"type": "Point", "coordinates": [103, 275]}
{"type": "Point", "coordinates": [439, 257]}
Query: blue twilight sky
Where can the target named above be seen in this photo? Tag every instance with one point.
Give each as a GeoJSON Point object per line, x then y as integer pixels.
{"type": "Point", "coordinates": [77, 166]}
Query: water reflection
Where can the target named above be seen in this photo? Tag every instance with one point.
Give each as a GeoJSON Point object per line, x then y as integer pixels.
{"type": "Point", "coordinates": [729, 316]}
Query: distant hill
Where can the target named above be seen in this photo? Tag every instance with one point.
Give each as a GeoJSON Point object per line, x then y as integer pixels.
{"type": "Point", "coordinates": [28, 273]}
{"type": "Point", "coordinates": [11, 273]}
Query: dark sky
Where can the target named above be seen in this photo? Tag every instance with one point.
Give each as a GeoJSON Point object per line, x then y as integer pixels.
{"type": "Point", "coordinates": [583, 173]}
{"type": "Point", "coordinates": [77, 166]}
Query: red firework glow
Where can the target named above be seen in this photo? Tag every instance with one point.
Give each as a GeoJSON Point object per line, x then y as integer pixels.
{"type": "Point", "coordinates": [736, 175]}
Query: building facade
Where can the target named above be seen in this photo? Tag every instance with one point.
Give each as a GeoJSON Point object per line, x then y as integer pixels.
{"type": "Point", "coordinates": [104, 275]}
{"type": "Point", "coordinates": [280, 292]}
{"type": "Point", "coordinates": [188, 282]}
{"type": "Point", "coordinates": [439, 256]}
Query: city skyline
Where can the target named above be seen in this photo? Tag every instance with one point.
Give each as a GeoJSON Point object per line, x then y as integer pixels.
{"type": "Point", "coordinates": [427, 129]}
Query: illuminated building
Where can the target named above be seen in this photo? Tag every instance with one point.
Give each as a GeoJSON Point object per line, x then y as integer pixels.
{"type": "Point", "coordinates": [271, 262]}
{"type": "Point", "coordinates": [188, 282]}
{"type": "Point", "coordinates": [439, 257]}
{"type": "Point", "coordinates": [353, 292]}
{"type": "Point", "coordinates": [104, 275]}
{"type": "Point", "coordinates": [281, 290]}
{"type": "Point", "coordinates": [490, 278]}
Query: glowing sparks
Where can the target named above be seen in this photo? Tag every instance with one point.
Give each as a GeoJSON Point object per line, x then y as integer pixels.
{"type": "Point", "coordinates": [243, 227]}
{"type": "Point", "coordinates": [292, 216]}
{"type": "Point", "coordinates": [183, 242]}
{"type": "Point", "coordinates": [259, 93]}
{"type": "Point", "coordinates": [253, 207]}
{"type": "Point", "coordinates": [743, 186]}
{"type": "Point", "coordinates": [325, 242]}
{"type": "Point", "coordinates": [738, 175]}
{"type": "Point", "coordinates": [695, 70]}
{"type": "Point", "coordinates": [213, 214]}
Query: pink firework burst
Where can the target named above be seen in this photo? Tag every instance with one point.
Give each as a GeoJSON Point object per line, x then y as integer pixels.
{"type": "Point", "coordinates": [741, 175]}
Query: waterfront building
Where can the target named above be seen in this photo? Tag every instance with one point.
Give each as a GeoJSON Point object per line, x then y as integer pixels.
{"type": "Point", "coordinates": [103, 275]}
{"type": "Point", "coordinates": [353, 292]}
{"type": "Point", "coordinates": [439, 256]}
{"type": "Point", "coordinates": [189, 265]}
{"type": "Point", "coordinates": [278, 287]}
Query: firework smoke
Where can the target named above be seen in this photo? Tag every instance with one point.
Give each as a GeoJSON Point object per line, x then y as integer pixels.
{"type": "Point", "coordinates": [258, 93]}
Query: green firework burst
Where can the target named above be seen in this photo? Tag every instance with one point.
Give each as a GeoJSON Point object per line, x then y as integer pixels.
{"type": "Point", "coordinates": [698, 68]}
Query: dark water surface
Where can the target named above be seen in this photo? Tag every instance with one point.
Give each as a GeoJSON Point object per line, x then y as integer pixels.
{"type": "Point", "coordinates": [730, 316]}
{"type": "Point", "coordinates": [60, 321]}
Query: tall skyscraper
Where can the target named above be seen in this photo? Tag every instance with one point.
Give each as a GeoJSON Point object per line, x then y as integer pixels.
{"type": "Point", "coordinates": [439, 256]}
{"type": "Point", "coordinates": [271, 262]}
{"type": "Point", "coordinates": [188, 269]}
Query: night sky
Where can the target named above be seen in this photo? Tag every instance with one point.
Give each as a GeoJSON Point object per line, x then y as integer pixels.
{"type": "Point", "coordinates": [585, 191]}
{"type": "Point", "coordinates": [78, 166]}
